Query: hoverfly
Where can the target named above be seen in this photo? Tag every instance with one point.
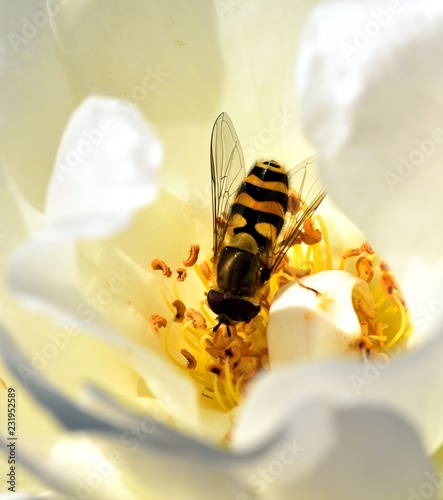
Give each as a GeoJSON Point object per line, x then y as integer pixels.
{"type": "Point", "coordinates": [252, 227]}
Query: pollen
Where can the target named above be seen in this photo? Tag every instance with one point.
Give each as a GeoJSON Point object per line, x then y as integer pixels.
{"type": "Point", "coordinates": [222, 363]}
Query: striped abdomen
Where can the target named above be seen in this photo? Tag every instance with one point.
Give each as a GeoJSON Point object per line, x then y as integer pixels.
{"type": "Point", "coordinates": [260, 205]}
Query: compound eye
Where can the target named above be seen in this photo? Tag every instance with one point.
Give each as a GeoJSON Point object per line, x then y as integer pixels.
{"type": "Point", "coordinates": [240, 309]}
{"type": "Point", "coordinates": [216, 301]}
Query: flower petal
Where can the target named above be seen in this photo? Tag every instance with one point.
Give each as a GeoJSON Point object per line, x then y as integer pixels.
{"type": "Point", "coordinates": [333, 449]}
{"type": "Point", "coordinates": [144, 449]}
{"type": "Point", "coordinates": [118, 177]}
{"type": "Point", "coordinates": [183, 65]}
{"type": "Point", "coordinates": [37, 96]}
{"type": "Point", "coordinates": [43, 271]}
{"type": "Point", "coordinates": [105, 166]}
{"type": "Point", "coordinates": [320, 438]}
{"type": "Point", "coordinates": [151, 53]}
{"type": "Point", "coordinates": [305, 326]}
{"type": "Point", "coordinates": [369, 78]}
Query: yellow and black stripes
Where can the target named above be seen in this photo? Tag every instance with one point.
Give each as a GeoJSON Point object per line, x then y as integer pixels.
{"type": "Point", "coordinates": [261, 203]}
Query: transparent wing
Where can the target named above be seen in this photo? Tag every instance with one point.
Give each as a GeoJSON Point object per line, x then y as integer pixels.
{"type": "Point", "coordinates": [308, 196]}
{"type": "Point", "coordinates": [227, 171]}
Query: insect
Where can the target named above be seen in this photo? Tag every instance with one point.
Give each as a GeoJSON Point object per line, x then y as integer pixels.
{"type": "Point", "coordinates": [252, 227]}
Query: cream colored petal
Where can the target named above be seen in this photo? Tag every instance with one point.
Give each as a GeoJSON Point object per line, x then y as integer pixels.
{"type": "Point", "coordinates": [374, 115]}
{"type": "Point", "coordinates": [37, 95]}
{"type": "Point", "coordinates": [183, 65]}
{"type": "Point", "coordinates": [43, 270]}
{"type": "Point", "coordinates": [139, 449]}
{"type": "Point", "coordinates": [164, 56]}
{"type": "Point", "coordinates": [369, 81]}
{"type": "Point", "coordinates": [350, 447]}
{"type": "Point", "coordinates": [304, 326]}
{"type": "Point", "coordinates": [105, 166]}
{"type": "Point", "coordinates": [331, 449]}
{"type": "Point", "coordinates": [93, 198]}
{"type": "Point", "coordinates": [51, 346]}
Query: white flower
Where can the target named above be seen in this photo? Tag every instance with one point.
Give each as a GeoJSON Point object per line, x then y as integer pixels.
{"type": "Point", "coordinates": [332, 429]}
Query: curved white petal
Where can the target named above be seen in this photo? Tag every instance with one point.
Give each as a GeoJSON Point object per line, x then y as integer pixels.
{"type": "Point", "coordinates": [194, 61]}
{"type": "Point", "coordinates": [93, 198]}
{"type": "Point", "coordinates": [369, 81]}
{"type": "Point", "coordinates": [96, 198]}
{"type": "Point", "coordinates": [350, 448]}
{"type": "Point", "coordinates": [105, 166]}
{"type": "Point", "coordinates": [369, 78]}
{"type": "Point", "coordinates": [306, 326]}
{"type": "Point", "coordinates": [330, 448]}
{"type": "Point", "coordinates": [141, 448]}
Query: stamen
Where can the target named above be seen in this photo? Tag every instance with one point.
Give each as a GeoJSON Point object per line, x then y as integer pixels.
{"type": "Point", "coordinates": [181, 274]}
{"type": "Point", "coordinates": [366, 247]}
{"type": "Point", "coordinates": [401, 331]}
{"type": "Point", "coordinates": [221, 360]}
{"type": "Point", "coordinates": [157, 322]}
{"type": "Point", "coordinates": [310, 235]}
{"type": "Point", "coordinates": [199, 272]}
{"type": "Point", "coordinates": [180, 308]}
{"type": "Point", "coordinates": [326, 241]}
{"type": "Point", "coordinates": [385, 322]}
{"type": "Point", "coordinates": [192, 362]}
{"type": "Point", "coordinates": [364, 269]}
{"type": "Point", "coordinates": [198, 321]}
{"type": "Point", "coordinates": [193, 256]}
{"type": "Point", "coordinates": [159, 265]}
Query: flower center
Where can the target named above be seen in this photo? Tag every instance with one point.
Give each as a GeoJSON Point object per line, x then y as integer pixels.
{"type": "Point", "coordinates": [222, 362]}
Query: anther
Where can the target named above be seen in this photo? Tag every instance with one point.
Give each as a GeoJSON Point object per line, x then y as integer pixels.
{"type": "Point", "coordinates": [388, 283]}
{"type": "Point", "coordinates": [353, 252]}
{"type": "Point", "coordinates": [157, 321]}
{"type": "Point", "coordinates": [364, 269]}
{"type": "Point", "coordinates": [180, 308]}
{"type": "Point", "coordinates": [310, 235]}
{"type": "Point", "coordinates": [193, 256]}
{"type": "Point", "coordinates": [198, 321]}
{"type": "Point", "coordinates": [159, 265]}
{"type": "Point", "coordinates": [181, 274]}
{"type": "Point", "coordinates": [192, 362]}
{"type": "Point", "coordinates": [366, 247]}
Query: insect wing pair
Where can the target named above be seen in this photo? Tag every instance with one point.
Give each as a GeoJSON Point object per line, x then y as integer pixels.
{"type": "Point", "coordinates": [252, 226]}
